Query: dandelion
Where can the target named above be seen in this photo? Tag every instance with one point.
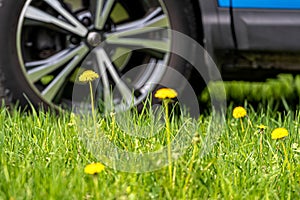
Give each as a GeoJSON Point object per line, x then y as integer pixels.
{"type": "Point", "coordinates": [261, 130]}
{"type": "Point", "coordinates": [262, 127]}
{"type": "Point", "coordinates": [88, 76]}
{"type": "Point", "coordinates": [279, 133]}
{"type": "Point", "coordinates": [238, 113]}
{"type": "Point", "coordinates": [165, 94]}
{"type": "Point", "coordinates": [94, 168]}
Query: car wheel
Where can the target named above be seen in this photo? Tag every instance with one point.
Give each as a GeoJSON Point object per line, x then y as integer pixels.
{"type": "Point", "coordinates": [45, 44]}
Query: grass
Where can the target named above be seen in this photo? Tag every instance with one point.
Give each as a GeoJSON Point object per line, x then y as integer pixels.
{"type": "Point", "coordinates": [280, 93]}
{"type": "Point", "coordinates": [42, 156]}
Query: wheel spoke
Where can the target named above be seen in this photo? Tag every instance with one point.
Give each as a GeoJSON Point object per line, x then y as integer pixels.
{"type": "Point", "coordinates": [146, 74]}
{"type": "Point", "coordinates": [135, 33]}
{"type": "Point", "coordinates": [106, 88]}
{"type": "Point", "coordinates": [44, 67]}
{"type": "Point", "coordinates": [154, 19]}
{"type": "Point", "coordinates": [70, 24]}
{"type": "Point", "coordinates": [53, 88]}
{"type": "Point", "coordinates": [124, 90]}
{"type": "Point", "coordinates": [102, 12]}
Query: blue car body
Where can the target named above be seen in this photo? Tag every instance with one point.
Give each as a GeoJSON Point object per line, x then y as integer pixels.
{"type": "Point", "coordinates": [260, 4]}
{"type": "Point", "coordinates": [243, 36]}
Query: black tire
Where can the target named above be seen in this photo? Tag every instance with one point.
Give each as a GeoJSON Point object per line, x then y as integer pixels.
{"type": "Point", "coordinates": [14, 85]}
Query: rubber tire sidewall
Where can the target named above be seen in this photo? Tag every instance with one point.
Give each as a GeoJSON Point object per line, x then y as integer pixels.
{"type": "Point", "coordinates": [182, 19]}
{"type": "Point", "coordinates": [15, 82]}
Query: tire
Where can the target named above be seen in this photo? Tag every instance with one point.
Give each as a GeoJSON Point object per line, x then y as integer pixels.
{"type": "Point", "coordinates": [21, 45]}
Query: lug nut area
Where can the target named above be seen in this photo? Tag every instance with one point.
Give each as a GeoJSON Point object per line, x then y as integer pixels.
{"type": "Point", "coordinates": [75, 40]}
{"type": "Point", "coordinates": [86, 21]}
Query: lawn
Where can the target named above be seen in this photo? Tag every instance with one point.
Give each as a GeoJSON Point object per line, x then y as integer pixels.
{"type": "Point", "coordinates": [43, 156]}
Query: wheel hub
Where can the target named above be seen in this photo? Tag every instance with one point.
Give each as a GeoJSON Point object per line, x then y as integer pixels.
{"type": "Point", "coordinates": [94, 39]}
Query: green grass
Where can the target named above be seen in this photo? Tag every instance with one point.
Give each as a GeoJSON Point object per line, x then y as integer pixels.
{"type": "Point", "coordinates": [277, 93]}
{"type": "Point", "coordinates": [43, 157]}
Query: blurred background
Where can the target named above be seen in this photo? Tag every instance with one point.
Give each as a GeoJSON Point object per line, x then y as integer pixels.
{"type": "Point", "coordinates": [281, 93]}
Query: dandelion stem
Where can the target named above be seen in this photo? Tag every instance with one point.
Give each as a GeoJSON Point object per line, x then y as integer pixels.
{"type": "Point", "coordinates": [190, 167]}
{"type": "Point", "coordinates": [260, 144]}
{"type": "Point", "coordinates": [92, 102]}
{"type": "Point", "coordinates": [286, 160]}
{"type": "Point", "coordinates": [95, 181]}
{"type": "Point", "coordinates": [167, 120]}
{"type": "Point", "coordinates": [242, 124]}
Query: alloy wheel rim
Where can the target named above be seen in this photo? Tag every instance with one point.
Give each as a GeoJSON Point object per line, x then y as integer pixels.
{"type": "Point", "coordinates": [95, 37]}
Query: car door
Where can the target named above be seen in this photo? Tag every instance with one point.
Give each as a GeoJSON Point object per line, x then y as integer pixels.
{"type": "Point", "coordinates": [265, 24]}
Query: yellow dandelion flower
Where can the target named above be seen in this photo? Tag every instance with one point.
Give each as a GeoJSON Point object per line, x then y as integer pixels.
{"type": "Point", "coordinates": [239, 112]}
{"type": "Point", "coordinates": [279, 133]}
{"type": "Point", "coordinates": [262, 127]}
{"type": "Point", "coordinates": [88, 76]}
{"type": "Point", "coordinates": [94, 168]}
{"type": "Point", "coordinates": [165, 93]}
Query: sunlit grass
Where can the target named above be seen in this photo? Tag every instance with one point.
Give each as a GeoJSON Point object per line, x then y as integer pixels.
{"type": "Point", "coordinates": [43, 156]}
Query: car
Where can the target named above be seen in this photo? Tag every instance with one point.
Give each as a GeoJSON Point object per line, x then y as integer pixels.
{"type": "Point", "coordinates": [46, 44]}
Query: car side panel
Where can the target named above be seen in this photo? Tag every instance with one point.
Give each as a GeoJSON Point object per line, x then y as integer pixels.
{"type": "Point", "coordinates": [217, 26]}
{"type": "Point", "coordinates": [258, 29]}
{"type": "Point", "coordinates": [272, 25]}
